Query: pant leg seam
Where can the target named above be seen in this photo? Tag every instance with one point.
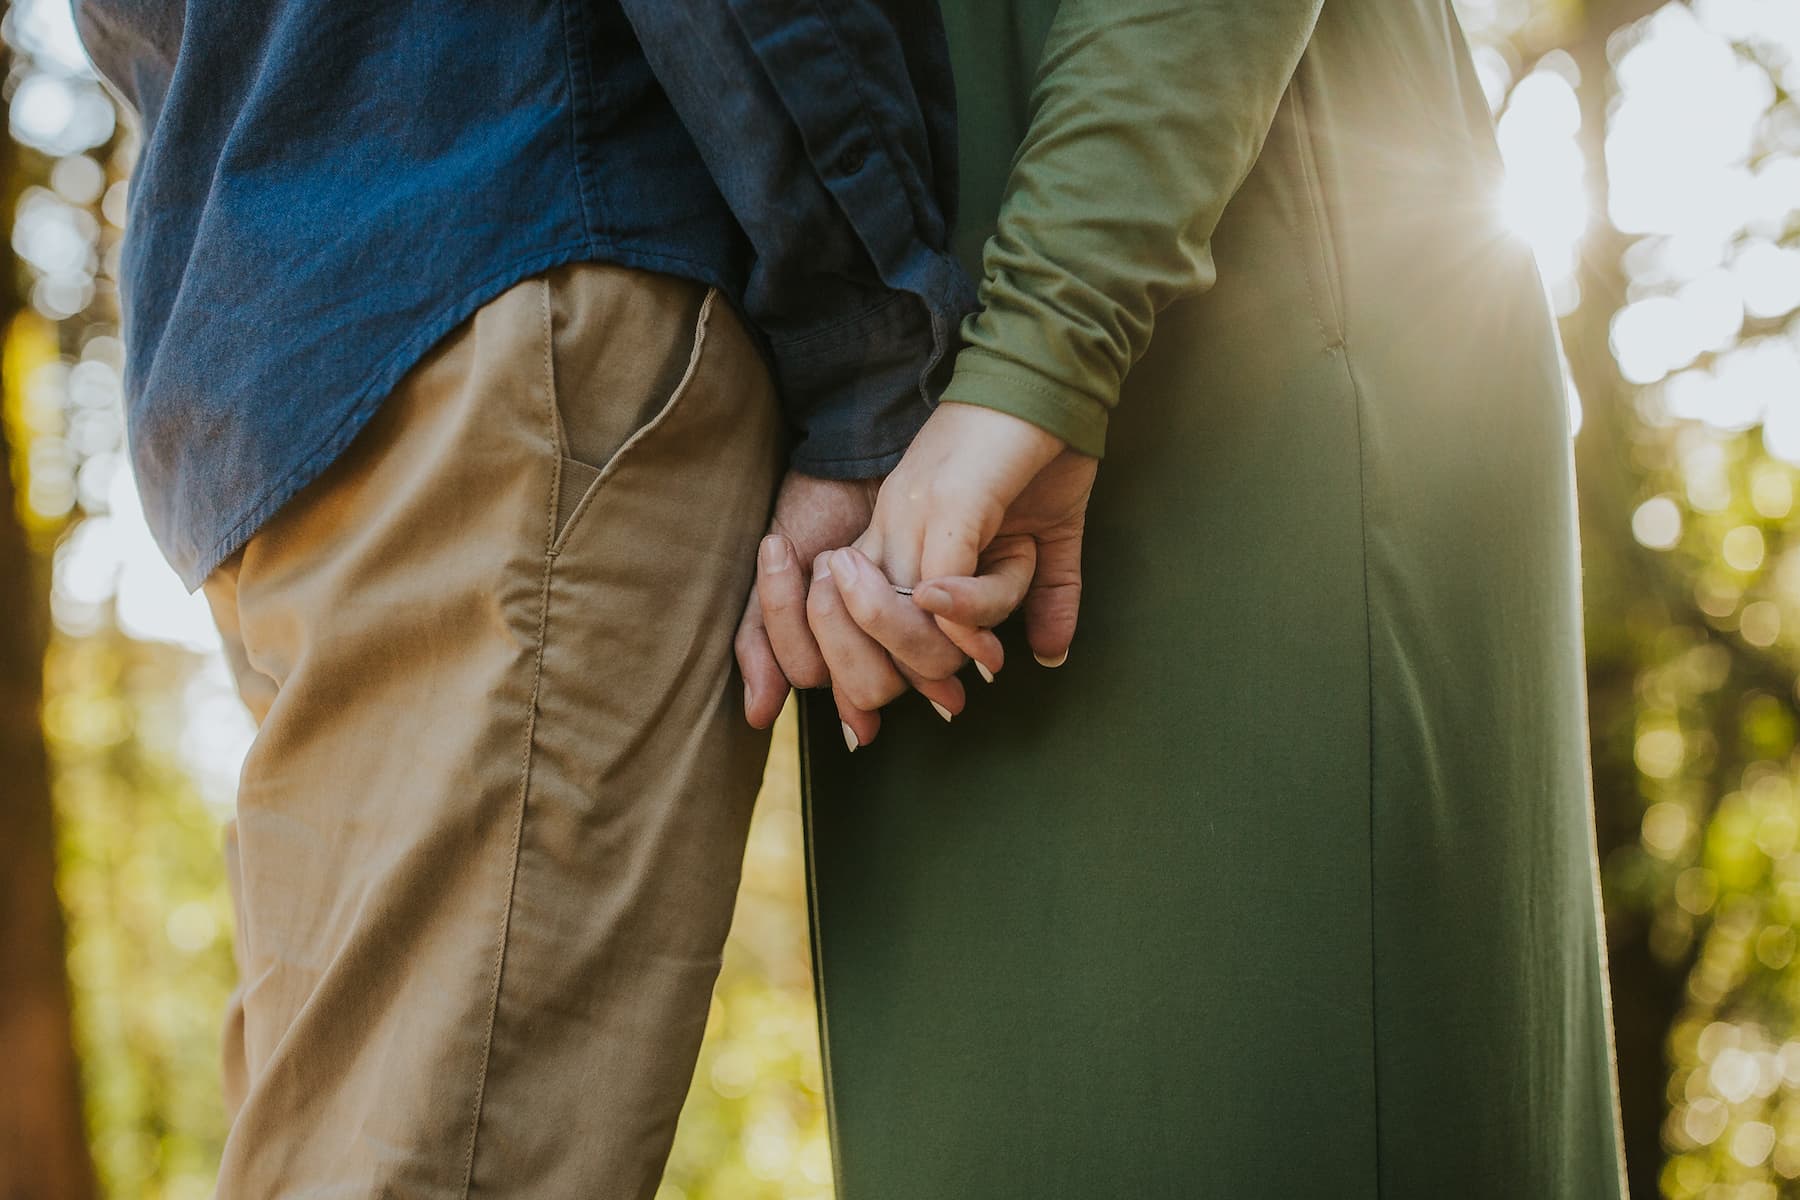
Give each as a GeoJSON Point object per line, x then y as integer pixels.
{"type": "Point", "coordinates": [537, 676]}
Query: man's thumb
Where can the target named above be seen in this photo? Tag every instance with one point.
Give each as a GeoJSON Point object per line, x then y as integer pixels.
{"type": "Point", "coordinates": [1054, 600]}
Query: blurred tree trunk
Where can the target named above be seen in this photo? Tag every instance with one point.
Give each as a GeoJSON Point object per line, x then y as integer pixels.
{"type": "Point", "coordinates": [1647, 994]}
{"type": "Point", "coordinates": [1620, 580]}
{"type": "Point", "coordinates": [43, 1143]}
{"type": "Point", "coordinates": [43, 1147]}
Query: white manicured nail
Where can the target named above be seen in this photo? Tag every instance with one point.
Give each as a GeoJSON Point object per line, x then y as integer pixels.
{"type": "Point", "coordinates": [987, 676]}
{"type": "Point", "coordinates": [849, 736]}
{"type": "Point", "coordinates": [1051, 662]}
{"type": "Point", "coordinates": [942, 711]}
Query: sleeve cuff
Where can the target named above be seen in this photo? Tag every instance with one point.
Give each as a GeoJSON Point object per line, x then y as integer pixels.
{"type": "Point", "coordinates": [989, 381]}
{"type": "Point", "coordinates": [853, 391]}
{"type": "Point", "coordinates": [875, 466]}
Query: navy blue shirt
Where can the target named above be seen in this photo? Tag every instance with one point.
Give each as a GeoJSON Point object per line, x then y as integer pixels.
{"type": "Point", "coordinates": [325, 188]}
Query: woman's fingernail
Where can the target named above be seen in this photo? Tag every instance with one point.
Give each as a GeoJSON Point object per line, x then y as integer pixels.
{"type": "Point", "coordinates": [1058, 661]}
{"type": "Point", "coordinates": [746, 699]}
{"type": "Point", "coordinates": [822, 567]}
{"type": "Point", "coordinates": [942, 711]}
{"type": "Point", "coordinates": [987, 676]}
{"type": "Point", "coordinates": [849, 736]}
{"type": "Point", "coordinates": [772, 554]}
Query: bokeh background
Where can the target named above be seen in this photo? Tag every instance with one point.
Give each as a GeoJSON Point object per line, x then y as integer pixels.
{"type": "Point", "coordinates": [1653, 163]}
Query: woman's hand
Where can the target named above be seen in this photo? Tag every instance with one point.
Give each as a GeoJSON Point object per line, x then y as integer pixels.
{"type": "Point", "coordinates": [984, 511]}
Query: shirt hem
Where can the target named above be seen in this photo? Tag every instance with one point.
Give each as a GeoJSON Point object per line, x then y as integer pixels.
{"type": "Point", "coordinates": [394, 366]}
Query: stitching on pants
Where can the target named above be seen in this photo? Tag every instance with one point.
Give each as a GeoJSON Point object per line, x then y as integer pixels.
{"type": "Point", "coordinates": [560, 537]}
{"type": "Point", "coordinates": [537, 676]}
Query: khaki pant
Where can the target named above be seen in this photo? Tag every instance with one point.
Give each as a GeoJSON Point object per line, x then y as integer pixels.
{"type": "Point", "coordinates": [489, 833]}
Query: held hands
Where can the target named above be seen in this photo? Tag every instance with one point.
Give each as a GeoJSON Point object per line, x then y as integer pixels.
{"type": "Point", "coordinates": [983, 512]}
{"type": "Point", "coordinates": [812, 516]}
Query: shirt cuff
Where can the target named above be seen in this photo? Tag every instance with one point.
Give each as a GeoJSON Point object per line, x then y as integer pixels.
{"type": "Point", "coordinates": [990, 381]}
{"type": "Point", "coordinates": [856, 391]}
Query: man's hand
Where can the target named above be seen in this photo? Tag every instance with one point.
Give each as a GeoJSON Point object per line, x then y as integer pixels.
{"type": "Point", "coordinates": [773, 647]}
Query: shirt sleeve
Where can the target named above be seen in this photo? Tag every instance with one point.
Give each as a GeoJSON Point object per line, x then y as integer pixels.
{"type": "Point", "coordinates": [1146, 117]}
{"type": "Point", "coordinates": [829, 132]}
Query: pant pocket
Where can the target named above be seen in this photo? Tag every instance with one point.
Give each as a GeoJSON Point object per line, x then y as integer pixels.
{"type": "Point", "coordinates": [620, 346]}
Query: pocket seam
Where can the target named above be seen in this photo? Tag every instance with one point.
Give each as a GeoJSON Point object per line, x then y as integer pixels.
{"type": "Point", "coordinates": [612, 464]}
{"type": "Point", "coordinates": [551, 533]}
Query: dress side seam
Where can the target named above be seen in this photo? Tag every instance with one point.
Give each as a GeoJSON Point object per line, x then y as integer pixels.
{"type": "Point", "coordinates": [1362, 495]}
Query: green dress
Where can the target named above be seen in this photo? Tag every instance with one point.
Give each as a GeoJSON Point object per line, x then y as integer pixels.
{"type": "Point", "coordinates": [1284, 885]}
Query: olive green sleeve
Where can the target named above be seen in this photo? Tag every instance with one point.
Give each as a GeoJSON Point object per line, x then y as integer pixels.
{"type": "Point", "coordinates": [1145, 119]}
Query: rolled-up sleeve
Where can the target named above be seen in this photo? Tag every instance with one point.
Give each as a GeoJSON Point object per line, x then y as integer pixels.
{"type": "Point", "coordinates": [1146, 117]}
{"type": "Point", "coordinates": [829, 132]}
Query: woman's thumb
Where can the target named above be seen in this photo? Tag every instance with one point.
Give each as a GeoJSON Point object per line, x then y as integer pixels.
{"type": "Point", "coordinates": [957, 529]}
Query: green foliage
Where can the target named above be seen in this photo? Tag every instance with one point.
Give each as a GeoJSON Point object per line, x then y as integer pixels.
{"type": "Point", "coordinates": [149, 919]}
{"type": "Point", "coordinates": [1717, 860]}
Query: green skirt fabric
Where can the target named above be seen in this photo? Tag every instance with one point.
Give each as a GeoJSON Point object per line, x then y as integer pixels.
{"type": "Point", "coordinates": [1284, 886]}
